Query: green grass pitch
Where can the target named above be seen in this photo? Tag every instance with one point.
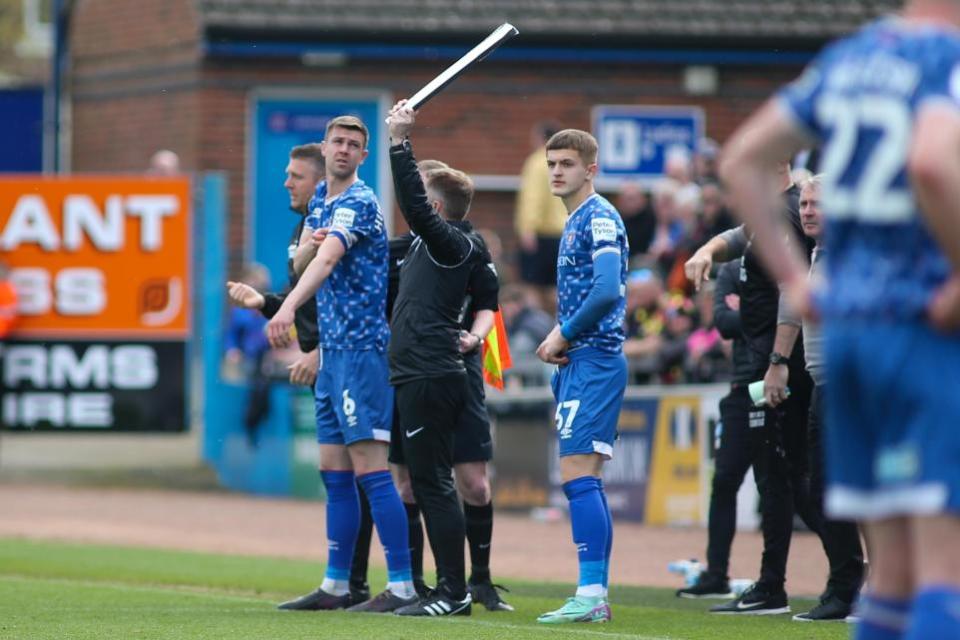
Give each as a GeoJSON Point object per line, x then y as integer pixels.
{"type": "Point", "coordinates": [72, 591]}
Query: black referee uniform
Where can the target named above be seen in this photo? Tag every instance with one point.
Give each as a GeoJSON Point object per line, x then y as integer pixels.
{"type": "Point", "coordinates": [426, 367]}
{"type": "Point", "coordinates": [472, 442]}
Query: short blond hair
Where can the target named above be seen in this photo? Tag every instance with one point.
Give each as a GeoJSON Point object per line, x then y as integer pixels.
{"type": "Point", "coordinates": [454, 187]}
{"type": "Point", "coordinates": [575, 139]}
{"type": "Point", "coordinates": [352, 123]}
{"type": "Point", "coordinates": [425, 166]}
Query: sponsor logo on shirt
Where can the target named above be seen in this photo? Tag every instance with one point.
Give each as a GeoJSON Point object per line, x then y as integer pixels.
{"type": "Point", "coordinates": [604, 230]}
{"type": "Point", "coordinates": [343, 217]}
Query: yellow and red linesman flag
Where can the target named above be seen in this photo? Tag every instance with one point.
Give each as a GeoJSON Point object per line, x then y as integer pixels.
{"type": "Point", "coordinates": [496, 353]}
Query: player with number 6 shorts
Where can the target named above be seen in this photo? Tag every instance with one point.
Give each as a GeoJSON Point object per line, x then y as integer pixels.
{"type": "Point", "coordinates": [592, 371]}
{"type": "Point", "coordinates": [348, 274]}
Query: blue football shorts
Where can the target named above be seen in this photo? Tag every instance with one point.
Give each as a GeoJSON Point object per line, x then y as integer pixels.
{"type": "Point", "coordinates": [353, 397]}
{"type": "Point", "coordinates": [892, 430]}
{"type": "Point", "coordinates": [589, 393]}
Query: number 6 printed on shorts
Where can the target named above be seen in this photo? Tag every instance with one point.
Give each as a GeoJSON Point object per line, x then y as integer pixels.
{"type": "Point", "coordinates": [565, 424]}
{"type": "Point", "coordinates": [349, 408]}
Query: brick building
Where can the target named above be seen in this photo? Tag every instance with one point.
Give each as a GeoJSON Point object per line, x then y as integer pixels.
{"type": "Point", "coordinates": [179, 74]}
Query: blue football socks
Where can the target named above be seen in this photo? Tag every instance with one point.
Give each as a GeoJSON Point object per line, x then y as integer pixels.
{"type": "Point", "coordinates": [343, 522]}
{"type": "Point", "coordinates": [936, 614]}
{"type": "Point", "coordinates": [609, 550]}
{"type": "Point", "coordinates": [881, 618]}
{"type": "Point", "coordinates": [591, 532]}
{"type": "Point", "coordinates": [390, 519]}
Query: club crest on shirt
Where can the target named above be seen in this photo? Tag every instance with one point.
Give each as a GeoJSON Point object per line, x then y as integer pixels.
{"type": "Point", "coordinates": [571, 238]}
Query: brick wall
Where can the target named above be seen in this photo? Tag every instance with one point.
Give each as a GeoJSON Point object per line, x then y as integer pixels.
{"type": "Point", "coordinates": [138, 85]}
{"type": "Point", "coordinates": [133, 83]}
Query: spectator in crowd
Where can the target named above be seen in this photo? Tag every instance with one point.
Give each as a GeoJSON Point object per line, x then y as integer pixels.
{"type": "Point", "coordinates": [668, 231]}
{"type": "Point", "coordinates": [539, 221]}
{"type": "Point", "coordinates": [8, 303]}
{"type": "Point", "coordinates": [246, 346]}
{"type": "Point", "coordinates": [645, 321]}
{"type": "Point", "coordinates": [708, 354]}
{"type": "Point", "coordinates": [638, 217]}
{"type": "Point", "coordinates": [705, 161]}
{"type": "Point", "coordinates": [495, 247]}
{"type": "Point", "coordinates": [164, 163]}
{"type": "Point", "coordinates": [678, 166]}
{"type": "Point", "coordinates": [680, 319]}
{"type": "Point", "coordinates": [714, 217]}
{"type": "Point", "coordinates": [527, 326]}
{"type": "Point", "coordinates": [711, 219]}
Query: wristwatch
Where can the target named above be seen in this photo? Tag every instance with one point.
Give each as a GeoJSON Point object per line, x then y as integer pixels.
{"type": "Point", "coordinates": [778, 358]}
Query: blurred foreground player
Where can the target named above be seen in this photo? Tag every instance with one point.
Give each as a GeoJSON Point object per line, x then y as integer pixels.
{"type": "Point", "coordinates": [885, 103]}
{"type": "Point", "coordinates": [348, 275]}
{"type": "Point", "coordinates": [591, 376]}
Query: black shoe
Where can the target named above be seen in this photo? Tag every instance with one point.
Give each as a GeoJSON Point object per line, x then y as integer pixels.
{"type": "Point", "coordinates": [384, 602]}
{"type": "Point", "coordinates": [758, 600]}
{"type": "Point", "coordinates": [318, 600]}
{"type": "Point", "coordinates": [423, 590]}
{"type": "Point", "coordinates": [359, 592]}
{"type": "Point", "coordinates": [485, 593]}
{"type": "Point", "coordinates": [708, 585]}
{"type": "Point", "coordinates": [437, 605]}
{"type": "Point", "coordinates": [831, 608]}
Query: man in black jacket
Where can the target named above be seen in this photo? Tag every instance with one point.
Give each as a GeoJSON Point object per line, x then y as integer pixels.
{"type": "Point", "coordinates": [735, 449]}
{"type": "Point", "coordinates": [426, 363]}
{"type": "Point", "coordinates": [777, 436]}
{"type": "Point", "coordinates": [304, 171]}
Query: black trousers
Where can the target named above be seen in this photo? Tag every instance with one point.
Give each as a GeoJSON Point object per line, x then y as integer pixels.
{"type": "Point", "coordinates": [773, 441]}
{"type": "Point", "coordinates": [430, 409]}
{"type": "Point", "coordinates": [840, 539]}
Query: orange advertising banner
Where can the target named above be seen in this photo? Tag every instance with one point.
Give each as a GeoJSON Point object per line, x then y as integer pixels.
{"type": "Point", "coordinates": [105, 256]}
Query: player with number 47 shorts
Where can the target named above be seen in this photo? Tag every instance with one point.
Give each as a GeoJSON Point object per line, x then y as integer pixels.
{"type": "Point", "coordinates": [592, 371]}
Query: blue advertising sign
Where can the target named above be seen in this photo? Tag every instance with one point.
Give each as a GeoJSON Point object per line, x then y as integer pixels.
{"type": "Point", "coordinates": [21, 129]}
{"type": "Point", "coordinates": [636, 140]}
{"type": "Point", "coordinates": [281, 121]}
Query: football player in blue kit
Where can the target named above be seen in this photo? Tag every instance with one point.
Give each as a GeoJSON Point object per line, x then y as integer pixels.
{"type": "Point", "coordinates": [348, 275]}
{"type": "Point", "coordinates": [885, 105]}
{"type": "Point", "coordinates": [592, 371]}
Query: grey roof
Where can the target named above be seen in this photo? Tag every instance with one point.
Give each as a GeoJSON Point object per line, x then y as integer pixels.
{"type": "Point", "coordinates": [552, 19]}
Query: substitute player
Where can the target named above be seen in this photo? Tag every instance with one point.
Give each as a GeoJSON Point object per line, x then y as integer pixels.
{"type": "Point", "coordinates": [353, 409]}
{"type": "Point", "coordinates": [885, 103]}
{"type": "Point", "coordinates": [592, 371]}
